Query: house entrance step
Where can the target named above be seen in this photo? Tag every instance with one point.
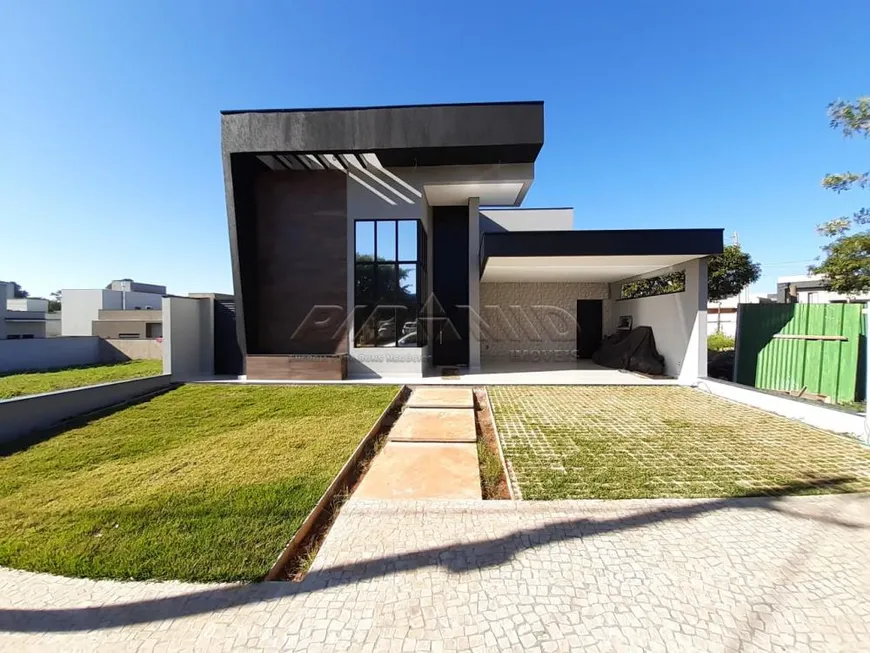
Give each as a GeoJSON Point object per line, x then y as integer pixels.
{"type": "Point", "coordinates": [422, 470]}
{"type": "Point", "coordinates": [435, 397]}
{"type": "Point", "coordinates": [435, 425]}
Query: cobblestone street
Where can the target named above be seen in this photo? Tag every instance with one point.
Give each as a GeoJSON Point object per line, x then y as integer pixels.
{"type": "Point", "coordinates": [734, 574]}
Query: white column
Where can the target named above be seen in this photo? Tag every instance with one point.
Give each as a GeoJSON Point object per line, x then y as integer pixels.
{"type": "Point", "coordinates": [695, 362]}
{"type": "Point", "coordinates": [473, 284]}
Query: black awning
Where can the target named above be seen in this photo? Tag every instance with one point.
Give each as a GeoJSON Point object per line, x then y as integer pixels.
{"type": "Point", "coordinates": [612, 242]}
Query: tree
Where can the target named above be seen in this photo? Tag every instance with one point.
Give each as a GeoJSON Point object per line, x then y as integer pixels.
{"type": "Point", "coordinates": [727, 274]}
{"type": "Point", "coordinates": [18, 291]}
{"type": "Point", "coordinates": [54, 305]}
{"type": "Point", "coordinates": [846, 266]}
{"type": "Point", "coordinates": [664, 284]}
{"type": "Point", "coordinates": [730, 272]}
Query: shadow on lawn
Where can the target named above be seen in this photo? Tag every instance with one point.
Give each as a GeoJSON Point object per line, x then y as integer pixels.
{"type": "Point", "coordinates": [454, 558]}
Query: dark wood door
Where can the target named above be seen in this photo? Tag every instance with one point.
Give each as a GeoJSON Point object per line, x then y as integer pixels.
{"type": "Point", "coordinates": [450, 285]}
{"type": "Point", "coordinates": [589, 327]}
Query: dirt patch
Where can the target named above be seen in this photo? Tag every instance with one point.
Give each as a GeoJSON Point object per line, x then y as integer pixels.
{"type": "Point", "coordinates": [493, 482]}
{"type": "Point", "coordinates": [304, 552]}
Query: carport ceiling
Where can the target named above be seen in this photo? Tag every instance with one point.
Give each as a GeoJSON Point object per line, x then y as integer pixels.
{"type": "Point", "coordinates": [586, 269]}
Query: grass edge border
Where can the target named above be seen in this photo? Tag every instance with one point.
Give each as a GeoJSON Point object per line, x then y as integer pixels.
{"type": "Point", "coordinates": [297, 542]}
{"type": "Point", "coordinates": [510, 478]}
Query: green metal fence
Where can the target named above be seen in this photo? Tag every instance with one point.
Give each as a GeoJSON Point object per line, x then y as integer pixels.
{"type": "Point", "coordinates": [817, 348]}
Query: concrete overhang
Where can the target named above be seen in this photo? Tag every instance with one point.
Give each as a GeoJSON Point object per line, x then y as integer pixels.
{"type": "Point", "coordinates": [590, 256]}
{"type": "Point", "coordinates": [400, 136]}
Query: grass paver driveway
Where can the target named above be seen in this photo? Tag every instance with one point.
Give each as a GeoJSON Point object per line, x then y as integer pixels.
{"type": "Point", "coordinates": [31, 383]}
{"type": "Point", "coordinates": [206, 482]}
{"type": "Point", "coordinates": [618, 442]}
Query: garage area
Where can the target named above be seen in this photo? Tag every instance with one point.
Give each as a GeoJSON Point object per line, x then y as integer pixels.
{"type": "Point", "coordinates": [553, 300]}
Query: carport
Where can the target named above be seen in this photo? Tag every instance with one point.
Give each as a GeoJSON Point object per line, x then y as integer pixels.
{"type": "Point", "coordinates": [547, 298]}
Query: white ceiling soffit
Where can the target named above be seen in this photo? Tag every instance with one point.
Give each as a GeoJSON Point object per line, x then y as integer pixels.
{"type": "Point", "coordinates": [588, 269]}
{"type": "Point", "coordinates": [501, 193]}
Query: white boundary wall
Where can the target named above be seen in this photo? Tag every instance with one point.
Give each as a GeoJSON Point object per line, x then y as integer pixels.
{"type": "Point", "coordinates": [809, 413]}
{"type": "Point", "coordinates": [22, 415]}
{"type": "Point", "coordinates": [188, 337]}
{"type": "Point", "coordinates": [48, 353]}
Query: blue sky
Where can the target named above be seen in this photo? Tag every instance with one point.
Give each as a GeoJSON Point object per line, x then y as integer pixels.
{"type": "Point", "coordinates": [658, 114]}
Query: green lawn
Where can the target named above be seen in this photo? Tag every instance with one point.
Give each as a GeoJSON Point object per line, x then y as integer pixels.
{"type": "Point", "coordinates": [204, 483]}
{"type": "Point", "coordinates": [31, 383]}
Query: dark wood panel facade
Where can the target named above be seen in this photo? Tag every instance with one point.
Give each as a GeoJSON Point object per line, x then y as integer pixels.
{"type": "Point", "coordinates": [278, 367]}
{"type": "Point", "coordinates": [301, 263]}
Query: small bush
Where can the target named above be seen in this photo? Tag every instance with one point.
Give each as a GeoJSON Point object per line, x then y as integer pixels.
{"type": "Point", "coordinates": [719, 341]}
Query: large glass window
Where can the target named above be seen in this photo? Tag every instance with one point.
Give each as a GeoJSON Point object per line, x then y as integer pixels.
{"type": "Point", "coordinates": [389, 279]}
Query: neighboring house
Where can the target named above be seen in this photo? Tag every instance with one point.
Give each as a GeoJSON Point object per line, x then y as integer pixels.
{"type": "Point", "coordinates": [811, 289]}
{"type": "Point", "coordinates": [129, 324]}
{"type": "Point", "coordinates": [358, 235]}
{"type": "Point", "coordinates": [81, 307]}
{"type": "Point", "coordinates": [722, 315]}
{"type": "Point", "coordinates": [28, 317]}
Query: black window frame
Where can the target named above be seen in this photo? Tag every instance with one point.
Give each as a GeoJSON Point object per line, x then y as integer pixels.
{"type": "Point", "coordinates": [366, 307]}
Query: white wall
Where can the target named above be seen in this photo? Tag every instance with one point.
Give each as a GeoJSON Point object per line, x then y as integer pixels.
{"type": "Point", "coordinates": [678, 320]}
{"type": "Point", "coordinates": [514, 318]}
{"type": "Point", "coordinates": [27, 304]}
{"type": "Point", "coordinates": [80, 308]}
{"type": "Point", "coordinates": [132, 300]}
{"type": "Point", "coordinates": [724, 322]}
{"type": "Point", "coordinates": [48, 353]}
{"type": "Point", "coordinates": [527, 220]}
{"type": "Point", "coordinates": [801, 410]}
{"type": "Point", "coordinates": [188, 338]}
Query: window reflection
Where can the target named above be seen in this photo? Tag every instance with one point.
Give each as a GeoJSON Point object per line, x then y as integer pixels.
{"type": "Point", "coordinates": [389, 273]}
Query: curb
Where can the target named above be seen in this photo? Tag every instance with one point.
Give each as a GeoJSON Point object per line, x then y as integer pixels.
{"type": "Point", "coordinates": [340, 480]}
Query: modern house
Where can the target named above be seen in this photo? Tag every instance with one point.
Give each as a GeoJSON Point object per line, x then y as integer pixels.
{"type": "Point", "coordinates": [128, 324]}
{"type": "Point", "coordinates": [722, 315]}
{"type": "Point", "coordinates": [82, 307]}
{"type": "Point", "coordinates": [27, 317]}
{"type": "Point", "coordinates": [392, 242]}
{"type": "Point", "coordinates": [811, 289]}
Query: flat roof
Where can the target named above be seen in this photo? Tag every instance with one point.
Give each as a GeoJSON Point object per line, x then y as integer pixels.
{"type": "Point", "coordinates": [401, 136]}
{"type": "Point", "coordinates": [229, 112]}
{"type": "Point", "coordinates": [548, 255]}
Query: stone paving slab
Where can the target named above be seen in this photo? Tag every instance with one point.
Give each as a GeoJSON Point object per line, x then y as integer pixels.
{"type": "Point", "coordinates": [434, 425]}
{"type": "Point", "coordinates": [747, 575]}
{"type": "Point", "coordinates": [438, 397]}
{"type": "Point", "coordinates": [422, 470]}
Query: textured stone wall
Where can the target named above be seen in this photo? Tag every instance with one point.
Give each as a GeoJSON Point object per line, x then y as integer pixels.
{"type": "Point", "coordinates": [536, 318]}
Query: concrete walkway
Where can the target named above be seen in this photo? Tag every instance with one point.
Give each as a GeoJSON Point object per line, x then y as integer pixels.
{"type": "Point", "coordinates": [659, 575]}
{"type": "Point", "coordinates": [431, 452]}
